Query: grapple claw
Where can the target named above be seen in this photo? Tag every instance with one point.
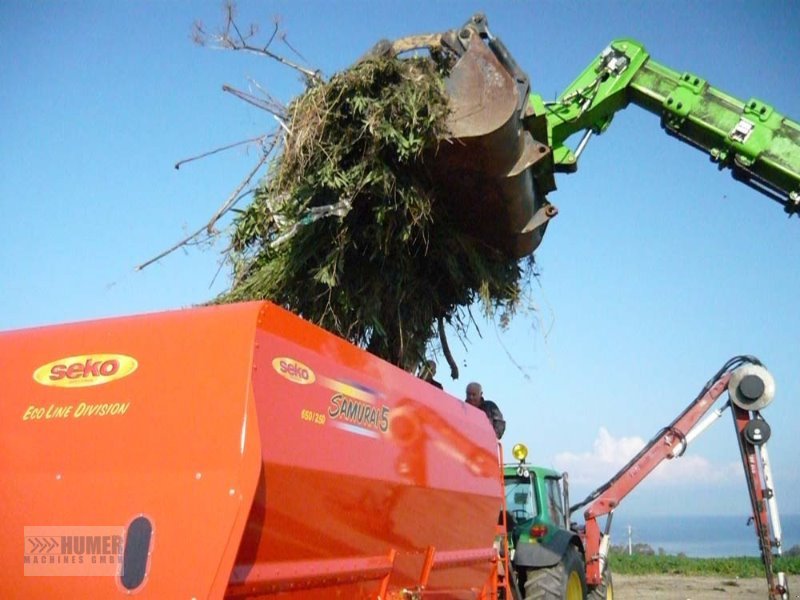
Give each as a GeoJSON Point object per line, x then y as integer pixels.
{"type": "Point", "coordinates": [484, 168]}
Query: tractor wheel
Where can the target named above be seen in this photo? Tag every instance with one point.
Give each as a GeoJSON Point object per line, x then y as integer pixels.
{"type": "Point", "coordinates": [564, 581]}
{"type": "Point", "coordinates": [604, 591]}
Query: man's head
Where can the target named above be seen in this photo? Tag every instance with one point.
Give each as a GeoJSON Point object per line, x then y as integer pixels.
{"type": "Point", "coordinates": [474, 394]}
{"type": "Point", "coordinates": [427, 370]}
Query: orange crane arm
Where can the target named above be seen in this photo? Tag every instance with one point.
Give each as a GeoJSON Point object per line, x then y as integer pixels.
{"type": "Point", "coordinates": [750, 388]}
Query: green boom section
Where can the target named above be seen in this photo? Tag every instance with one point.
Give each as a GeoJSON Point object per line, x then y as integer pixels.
{"type": "Point", "coordinates": [590, 102]}
{"type": "Point", "coordinates": [759, 145]}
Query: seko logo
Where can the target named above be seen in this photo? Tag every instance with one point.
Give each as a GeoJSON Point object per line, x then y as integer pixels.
{"type": "Point", "coordinates": [293, 370]}
{"type": "Point", "coordinates": [85, 370]}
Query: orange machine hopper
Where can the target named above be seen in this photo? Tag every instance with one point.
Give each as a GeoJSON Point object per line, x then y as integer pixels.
{"type": "Point", "coordinates": [234, 451]}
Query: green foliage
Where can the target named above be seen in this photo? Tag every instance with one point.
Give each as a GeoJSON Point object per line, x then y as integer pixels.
{"type": "Point", "coordinates": [347, 231]}
{"type": "Point", "coordinates": [742, 566]}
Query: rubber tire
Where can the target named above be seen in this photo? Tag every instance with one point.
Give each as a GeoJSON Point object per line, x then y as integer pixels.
{"type": "Point", "coordinates": [604, 591]}
{"type": "Point", "coordinates": [554, 582]}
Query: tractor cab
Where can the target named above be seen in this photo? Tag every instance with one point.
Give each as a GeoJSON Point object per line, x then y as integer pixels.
{"type": "Point", "coordinates": [545, 552]}
{"type": "Point", "coordinates": [536, 500]}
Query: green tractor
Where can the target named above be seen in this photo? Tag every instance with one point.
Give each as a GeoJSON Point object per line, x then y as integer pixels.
{"type": "Point", "coordinates": [546, 550]}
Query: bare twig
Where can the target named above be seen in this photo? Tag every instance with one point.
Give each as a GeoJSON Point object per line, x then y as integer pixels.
{"type": "Point", "coordinates": [474, 322]}
{"type": "Point", "coordinates": [235, 196]}
{"type": "Point", "coordinates": [232, 38]}
{"type": "Point", "coordinates": [232, 23]}
{"type": "Point", "coordinates": [292, 48]}
{"type": "Point", "coordinates": [184, 242]}
{"type": "Point", "coordinates": [277, 104]}
{"type": "Point", "coordinates": [314, 77]}
{"type": "Point", "coordinates": [208, 229]}
{"type": "Point", "coordinates": [275, 23]}
{"type": "Point", "coordinates": [283, 125]}
{"type": "Point", "coordinates": [510, 357]}
{"type": "Point", "coordinates": [259, 139]}
{"type": "Point", "coordinates": [269, 105]}
{"type": "Point", "coordinates": [170, 250]}
{"type": "Point", "coordinates": [216, 274]}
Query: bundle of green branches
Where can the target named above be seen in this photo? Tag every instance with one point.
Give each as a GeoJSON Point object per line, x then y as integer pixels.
{"type": "Point", "coordinates": [346, 230]}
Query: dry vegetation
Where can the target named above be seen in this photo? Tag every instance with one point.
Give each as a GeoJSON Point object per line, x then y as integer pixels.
{"type": "Point", "coordinates": [345, 228]}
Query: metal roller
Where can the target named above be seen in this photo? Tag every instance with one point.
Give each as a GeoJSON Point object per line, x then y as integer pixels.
{"type": "Point", "coordinates": [751, 387]}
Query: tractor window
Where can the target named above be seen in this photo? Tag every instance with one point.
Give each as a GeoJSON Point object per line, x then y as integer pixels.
{"type": "Point", "coordinates": [519, 498]}
{"type": "Point", "coordinates": [555, 501]}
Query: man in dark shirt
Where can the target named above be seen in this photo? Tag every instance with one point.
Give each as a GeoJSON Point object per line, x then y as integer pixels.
{"type": "Point", "coordinates": [429, 372]}
{"type": "Point", "coordinates": [490, 409]}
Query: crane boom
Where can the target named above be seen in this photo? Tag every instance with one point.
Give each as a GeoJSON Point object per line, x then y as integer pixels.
{"type": "Point", "coordinates": [750, 387]}
{"type": "Point", "coordinates": [503, 144]}
{"type": "Point", "coordinates": [758, 144]}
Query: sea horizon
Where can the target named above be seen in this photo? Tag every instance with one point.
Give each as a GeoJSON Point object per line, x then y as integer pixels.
{"type": "Point", "coordinates": [700, 536]}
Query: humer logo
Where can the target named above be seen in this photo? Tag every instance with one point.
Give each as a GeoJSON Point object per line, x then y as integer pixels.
{"type": "Point", "coordinates": [73, 551]}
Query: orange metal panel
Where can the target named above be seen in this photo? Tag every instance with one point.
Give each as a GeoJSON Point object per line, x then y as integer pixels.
{"type": "Point", "coordinates": [182, 449]}
{"type": "Point", "coordinates": [270, 457]}
{"type": "Point", "coordinates": [361, 459]}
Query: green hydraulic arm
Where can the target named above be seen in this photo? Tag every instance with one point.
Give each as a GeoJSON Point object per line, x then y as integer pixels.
{"type": "Point", "coordinates": [759, 145]}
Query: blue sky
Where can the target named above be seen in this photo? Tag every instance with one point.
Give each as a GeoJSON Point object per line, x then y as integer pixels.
{"type": "Point", "coordinates": [657, 269]}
